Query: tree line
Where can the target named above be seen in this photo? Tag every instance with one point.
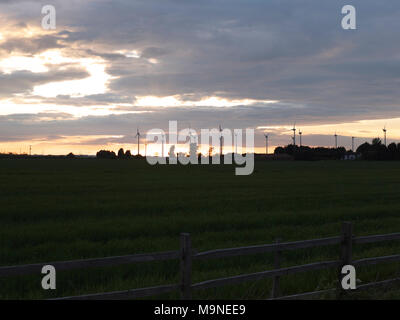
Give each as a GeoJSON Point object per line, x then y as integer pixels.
{"type": "Point", "coordinates": [378, 151]}
{"type": "Point", "coordinates": [375, 150]}
{"type": "Point", "coordinates": [105, 154]}
{"type": "Point", "coordinates": [309, 153]}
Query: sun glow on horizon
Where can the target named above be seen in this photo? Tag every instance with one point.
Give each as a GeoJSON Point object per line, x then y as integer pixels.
{"type": "Point", "coordinates": [361, 129]}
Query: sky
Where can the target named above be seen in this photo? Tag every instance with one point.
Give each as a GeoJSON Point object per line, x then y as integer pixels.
{"type": "Point", "coordinates": [111, 67]}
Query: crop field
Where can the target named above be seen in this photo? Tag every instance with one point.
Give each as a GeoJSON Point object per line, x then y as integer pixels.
{"type": "Point", "coordinates": [55, 210]}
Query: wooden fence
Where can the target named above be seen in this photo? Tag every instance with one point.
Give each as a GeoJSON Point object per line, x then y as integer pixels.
{"type": "Point", "coordinates": [187, 254]}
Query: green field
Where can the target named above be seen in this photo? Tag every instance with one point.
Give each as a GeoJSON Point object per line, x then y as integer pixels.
{"type": "Point", "coordinates": [71, 209]}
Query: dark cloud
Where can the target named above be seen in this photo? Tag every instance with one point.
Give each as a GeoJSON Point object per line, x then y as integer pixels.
{"type": "Point", "coordinates": [89, 100]}
{"type": "Point", "coordinates": [106, 56]}
{"type": "Point", "coordinates": [154, 52]}
{"type": "Point", "coordinates": [30, 45]}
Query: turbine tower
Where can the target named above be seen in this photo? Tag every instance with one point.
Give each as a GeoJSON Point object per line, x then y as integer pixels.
{"type": "Point", "coordinates": [352, 144]}
{"type": "Point", "coordinates": [266, 143]}
{"type": "Point", "coordinates": [220, 141]}
{"type": "Point", "coordinates": [138, 140]}
{"type": "Point", "coordinates": [294, 133]}
{"type": "Point", "coordinates": [384, 134]}
{"type": "Point", "coordinates": [300, 133]}
{"type": "Point", "coordinates": [190, 134]}
{"type": "Point", "coordinates": [236, 143]}
{"type": "Point", "coordinates": [162, 141]}
{"type": "Point", "coordinates": [335, 140]}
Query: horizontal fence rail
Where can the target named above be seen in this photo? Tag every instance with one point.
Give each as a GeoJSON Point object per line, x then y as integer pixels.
{"type": "Point", "coordinates": [376, 260]}
{"type": "Point", "coordinates": [221, 253]}
{"type": "Point", "coordinates": [377, 238]}
{"type": "Point", "coordinates": [265, 274]}
{"type": "Point", "coordinates": [187, 255]}
{"type": "Point", "coordinates": [125, 294]}
{"type": "Point", "coordinates": [89, 263]}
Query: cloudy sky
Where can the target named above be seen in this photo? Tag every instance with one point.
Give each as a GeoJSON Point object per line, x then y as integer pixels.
{"type": "Point", "coordinates": [112, 66]}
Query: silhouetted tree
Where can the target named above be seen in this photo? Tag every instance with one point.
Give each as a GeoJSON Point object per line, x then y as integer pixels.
{"type": "Point", "coordinates": [377, 151]}
{"type": "Point", "coordinates": [363, 148]}
{"type": "Point", "coordinates": [210, 151]}
{"type": "Point", "coordinates": [104, 154]}
{"type": "Point", "coordinates": [307, 153]}
{"type": "Point", "coordinates": [121, 153]}
{"type": "Point", "coordinates": [398, 151]}
{"type": "Point", "coordinates": [376, 142]}
{"type": "Point", "coordinates": [128, 154]}
{"type": "Point", "coordinates": [392, 149]}
{"type": "Point", "coordinates": [279, 150]}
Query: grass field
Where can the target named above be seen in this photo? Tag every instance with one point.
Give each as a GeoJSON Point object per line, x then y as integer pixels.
{"type": "Point", "coordinates": [70, 209]}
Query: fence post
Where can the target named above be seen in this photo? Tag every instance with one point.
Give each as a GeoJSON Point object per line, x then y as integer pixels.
{"type": "Point", "coordinates": [345, 253]}
{"type": "Point", "coordinates": [186, 266]}
{"type": "Point", "coordinates": [277, 264]}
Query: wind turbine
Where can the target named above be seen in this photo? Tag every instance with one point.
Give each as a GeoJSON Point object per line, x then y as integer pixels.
{"type": "Point", "coordinates": [235, 142]}
{"type": "Point", "coordinates": [294, 133]}
{"type": "Point", "coordinates": [190, 134]}
{"type": "Point", "coordinates": [335, 135]}
{"type": "Point", "coordinates": [266, 143]}
{"type": "Point", "coordinates": [352, 144]}
{"type": "Point", "coordinates": [220, 141]}
{"type": "Point", "coordinates": [300, 133]}
{"type": "Point", "coordinates": [384, 133]}
{"type": "Point", "coordinates": [138, 140]}
{"type": "Point", "coordinates": [162, 141]}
